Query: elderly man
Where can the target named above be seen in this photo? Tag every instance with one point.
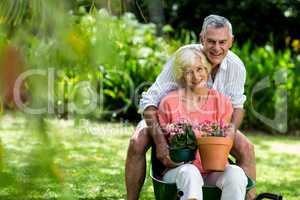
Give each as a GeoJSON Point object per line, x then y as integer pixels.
{"type": "Point", "coordinates": [228, 77]}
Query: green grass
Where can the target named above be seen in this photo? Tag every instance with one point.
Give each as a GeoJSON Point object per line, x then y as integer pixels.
{"type": "Point", "coordinates": [85, 160]}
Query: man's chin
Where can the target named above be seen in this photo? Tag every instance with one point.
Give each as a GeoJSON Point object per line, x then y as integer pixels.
{"type": "Point", "coordinates": [215, 61]}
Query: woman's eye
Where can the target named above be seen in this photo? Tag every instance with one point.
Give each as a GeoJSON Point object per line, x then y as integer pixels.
{"type": "Point", "coordinates": [199, 69]}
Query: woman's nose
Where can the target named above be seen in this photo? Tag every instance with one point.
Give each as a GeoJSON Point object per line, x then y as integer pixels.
{"type": "Point", "coordinates": [194, 75]}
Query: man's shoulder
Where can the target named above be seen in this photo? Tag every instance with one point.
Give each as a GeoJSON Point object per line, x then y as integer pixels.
{"type": "Point", "coordinates": [234, 60]}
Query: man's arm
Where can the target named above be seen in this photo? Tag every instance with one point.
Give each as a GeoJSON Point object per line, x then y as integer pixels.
{"type": "Point", "coordinates": [237, 117]}
{"type": "Point", "coordinates": [162, 151]}
{"type": "Point", "coordinates": [164, 83]}
{"type": "Point", "coordinates": [243, 150]}
{"type": "Point", "coordinates": [234, 88]}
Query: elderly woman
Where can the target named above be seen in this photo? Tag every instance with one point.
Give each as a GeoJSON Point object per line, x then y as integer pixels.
{"type": "Point", "coordinates": [195, 102]}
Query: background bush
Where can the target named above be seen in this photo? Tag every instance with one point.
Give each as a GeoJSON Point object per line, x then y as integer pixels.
{"type": "Point", "coordinates": [258, 21]}
{"type": "Point", "coordinates": [107, 61]}
{"type": "Point", "coordinates": [97, 59]}
{"type": "Point", "coordinates": [278, 73]}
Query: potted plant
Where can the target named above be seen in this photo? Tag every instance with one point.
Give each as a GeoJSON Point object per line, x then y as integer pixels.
{"type": "Point", "coordinates": [182, 141]}
{"type": "Point", "coordinates": [213, 146]}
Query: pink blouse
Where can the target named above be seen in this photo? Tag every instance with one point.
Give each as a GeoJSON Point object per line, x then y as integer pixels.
{"type": "Point", "coordinates": [172, 109]}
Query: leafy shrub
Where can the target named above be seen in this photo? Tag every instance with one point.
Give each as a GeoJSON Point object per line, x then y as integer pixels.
{"type": "Point", "coordinates": [99, 63]}
{"type": "Point", "coordinates": [272, 88]}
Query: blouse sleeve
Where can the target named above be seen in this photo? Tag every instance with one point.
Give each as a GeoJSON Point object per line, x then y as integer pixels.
{"type": "Point", "coordinates": [164, 112]}
{"type": "Point", "coordinates": [227, 111]}
{"type": "Point", "coordinates": [224, 108]}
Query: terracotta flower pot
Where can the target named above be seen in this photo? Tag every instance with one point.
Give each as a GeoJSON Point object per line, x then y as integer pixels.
{"type": "Point", "coordinates": [182, 155]}
{"type": "Point", "coordinates": [214, 152]}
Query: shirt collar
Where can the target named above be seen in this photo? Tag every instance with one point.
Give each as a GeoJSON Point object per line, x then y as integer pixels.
{"type": "Point", "coordinates": [223, 65]}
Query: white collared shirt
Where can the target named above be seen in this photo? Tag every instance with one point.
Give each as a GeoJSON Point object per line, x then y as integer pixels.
{"type": "Point", "coordinates": [230, 80]}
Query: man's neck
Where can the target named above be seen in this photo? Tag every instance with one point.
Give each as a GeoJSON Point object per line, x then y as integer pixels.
{"type": "Point", "coordinates": [214, 72]}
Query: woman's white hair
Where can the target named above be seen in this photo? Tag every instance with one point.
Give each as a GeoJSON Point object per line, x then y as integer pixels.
{"type": "Point", "coordinates": [216, 21]}
{"type": "Point", "coordinates": [185, 58]}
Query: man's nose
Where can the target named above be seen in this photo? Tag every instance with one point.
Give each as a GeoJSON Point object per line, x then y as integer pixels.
{"type": "Point", "coordinates": [217, 46]}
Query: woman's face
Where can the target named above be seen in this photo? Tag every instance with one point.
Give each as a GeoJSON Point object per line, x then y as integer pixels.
{"type": "Point", "coordinates": [196, 76]}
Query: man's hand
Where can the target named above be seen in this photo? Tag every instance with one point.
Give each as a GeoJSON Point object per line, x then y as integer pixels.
{"type": "Point", "coordinates": [163, 155]}
{"type": "Point", "coordinates": [230, 131]}
{"type": "Point", "coordinates": [162, 151]}
{"type": "Point", "coordinates": [251, 194]}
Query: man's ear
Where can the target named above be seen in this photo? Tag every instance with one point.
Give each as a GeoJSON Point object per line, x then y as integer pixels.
{"type": "Point", "coordinates": [231, 42]}
{"type": "Point", "coordinates": [201, 38]}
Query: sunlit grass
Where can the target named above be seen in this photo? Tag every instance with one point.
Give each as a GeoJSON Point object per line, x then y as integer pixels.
{"type": "Point", "coordinates": [89, 161]}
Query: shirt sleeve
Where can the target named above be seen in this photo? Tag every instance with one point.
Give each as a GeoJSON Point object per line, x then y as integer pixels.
{"type": "Point", "coordinates": [235, 86]}
{"type": "Point", "coordinates": [164, 83]}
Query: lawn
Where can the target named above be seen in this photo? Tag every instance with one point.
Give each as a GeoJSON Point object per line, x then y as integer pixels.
{"type": "Point", "coordinates": [80, 159]}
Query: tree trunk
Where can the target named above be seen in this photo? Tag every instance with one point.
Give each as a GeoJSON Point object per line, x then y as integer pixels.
{"type": "Point", "coordinates": [156, 14]}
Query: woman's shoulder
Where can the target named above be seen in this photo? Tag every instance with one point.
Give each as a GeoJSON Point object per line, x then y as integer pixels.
{"type": "Point", "coordinates": [223, 104]}
{"type": "Point", "coordinates": [171, 97]}
{"type": "Point", "coordinates": [173, 93]}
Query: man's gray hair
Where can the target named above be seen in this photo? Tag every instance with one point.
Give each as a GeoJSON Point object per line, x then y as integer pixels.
{"type": "Point", "coordinates": [216, 21]}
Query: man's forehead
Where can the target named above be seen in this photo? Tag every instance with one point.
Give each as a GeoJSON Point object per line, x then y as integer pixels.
{"type": "Point", "coordinates": [219, 33]}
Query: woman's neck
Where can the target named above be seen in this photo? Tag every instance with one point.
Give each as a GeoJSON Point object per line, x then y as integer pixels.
{"type": "Point", "coordinates": [195, 99]}
{"type": "Point", "coordinates": [203, 91]}
{"type": "Point", "coordinates": [196, 94]}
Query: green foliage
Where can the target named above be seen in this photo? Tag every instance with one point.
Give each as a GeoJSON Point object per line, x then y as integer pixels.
{"type": "Point", "coordinates": [272, 87]}
{"type": "Point", "coordinates": [142, 56]}
{"type": "Point", "coordinates": [258, 21]}
{"type": "Point", "coordinates": [99, 63]}
{"type": "Point", "coordinates": [183, 139]}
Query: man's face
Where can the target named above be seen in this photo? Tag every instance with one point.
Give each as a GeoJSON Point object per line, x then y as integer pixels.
{"type": "Point", "coordinates": [216, 43]}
